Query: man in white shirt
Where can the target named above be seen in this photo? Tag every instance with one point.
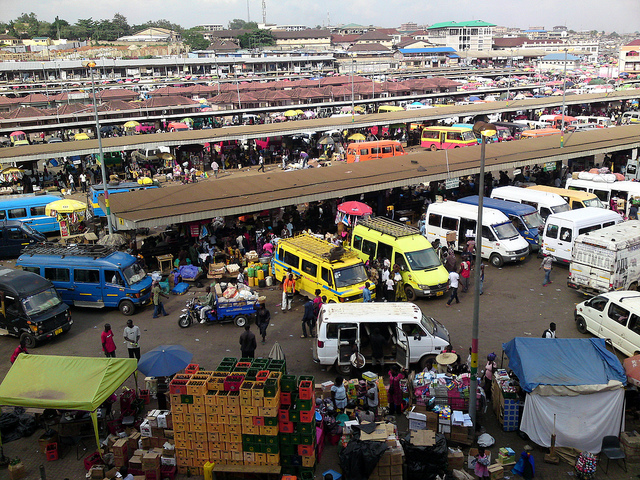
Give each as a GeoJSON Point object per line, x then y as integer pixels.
{"type": "Point", "coordinates": [454, 278]}
{"type": "Point", "coordinates": [132, 337]}
{"type": "Point", "coordinates": [83, 182]}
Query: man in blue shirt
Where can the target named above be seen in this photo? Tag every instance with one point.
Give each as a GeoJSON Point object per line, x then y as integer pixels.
{"type": "Point", "coordinates": [307, 319]}
{"type": "Point", "coordinates": [366, 293]}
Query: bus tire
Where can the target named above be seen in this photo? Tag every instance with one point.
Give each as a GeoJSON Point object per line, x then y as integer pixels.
{"type": "Point", "coordinates": [496, 260]}
{"type": "Point", "coordinates": [634, 286]}
{"type": "Point", "coordinates": [127, 307]}
{"type": "Point", "coordinates": [581, 324]}
{"type": "Point", "coordinates": [29, 340]}
{"type": "Point", "coordinates": [410, 293]}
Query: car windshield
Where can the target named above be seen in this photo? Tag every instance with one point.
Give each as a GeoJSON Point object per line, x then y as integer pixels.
{"type": "Point", "coordinates": [593, 202]}
{"type": "Point", "coordinates": [423, 259]}
{"type": "Point", "coordinates": [533, 220]}
{"type": "Point", "coordinates": [27, 229]}
{"type": "Point", "coordinates": [41, 302]}
{"type": "Point", "coordinates": [134, 273]}
{"type": "Point", "coordinates": [345, 277]}
{"type": "Point", "coordinates": [429, 324]}
{"type": "Point", "coordinates": [468, 135]}
{"type": "Point", "coordinates": [561, 208]}
{"type": "Point", "coordinates": [505, 231]}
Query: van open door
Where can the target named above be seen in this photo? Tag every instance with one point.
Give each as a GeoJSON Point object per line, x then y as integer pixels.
{"type": "Point", "coordinates": [347, 338]}
{"type": "Point", "coordinates": [402, 348]}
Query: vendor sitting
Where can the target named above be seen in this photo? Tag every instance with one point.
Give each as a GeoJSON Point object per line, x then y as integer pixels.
{"type": "Point", "coordinates": [207, 301]}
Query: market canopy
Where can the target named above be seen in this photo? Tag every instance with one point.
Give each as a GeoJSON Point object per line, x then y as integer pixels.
{"type": "Point", "coordinates": [66, 205]}
{"type": "Point", "coordinates": [567, 362]}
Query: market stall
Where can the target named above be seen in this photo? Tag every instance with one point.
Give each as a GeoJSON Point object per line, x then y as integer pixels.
{"type": "Point", "coordinates": [70, 214]}
{"type": "Point", "coordinates": [574, 389]}
{"type": "Point", "coordinates": [11, 180]}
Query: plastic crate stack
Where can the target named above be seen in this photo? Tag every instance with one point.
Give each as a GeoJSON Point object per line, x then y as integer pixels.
{"type": "Point", "coordinates": [383, 401]}
{"type": "Point", "coordinates": [225, 416]}
{"type": "Point", "coordinates": [296, 421]}
{"type": "Point", "coordinates": [511, 413]}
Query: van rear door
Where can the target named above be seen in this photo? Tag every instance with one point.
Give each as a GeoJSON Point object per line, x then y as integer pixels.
{"type": "Point", "coordinates": [347, 338]}
{"type": "Point", "coordinates": [403, 355]}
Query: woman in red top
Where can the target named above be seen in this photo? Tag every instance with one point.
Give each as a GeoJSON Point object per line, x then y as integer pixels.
{"type": "Point", "coordinates": [19, 349]}
{"type": "Point", "coordinates": [395, 392]}
{"type": "Point", "coordinates": [465, 273]}
{"type": "Point", "coordinates": [108, 345]}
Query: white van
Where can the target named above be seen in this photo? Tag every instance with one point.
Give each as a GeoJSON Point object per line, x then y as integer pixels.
{"type": "Point", "coordinates": [561, 229]}
{"type": "Point", "coordinates": [623, 190]}
{"type": "Point", "coordinates": [629, 118]}
{"type": "Point", "coordinates": [545, 202]}
{"type": "Point", "coordinates": [344, 328]}
{"type": "Point", "coordinates": [614, 316]}
{"type": "Point", "coordinates": [501, 242]}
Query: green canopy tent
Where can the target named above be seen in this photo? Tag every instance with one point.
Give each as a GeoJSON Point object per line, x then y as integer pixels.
{"type": "Point", "coordinates": [64, 383]}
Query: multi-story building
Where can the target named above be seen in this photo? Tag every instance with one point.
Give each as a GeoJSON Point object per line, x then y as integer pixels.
{"type": "Point", "coordinates": [629, 57]}
{"type": "Point", "coordinates": [210, 27]}
{"type": "Point", "coordinates": [471, 35]}
{"type": "Point", "coordinates": [317, 39]}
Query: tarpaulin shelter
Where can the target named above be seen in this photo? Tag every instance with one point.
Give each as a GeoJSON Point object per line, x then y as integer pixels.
{"type": "Point", "coordinates": [64, 383]}
{"type": "Point", "coordinates": [577, 380]}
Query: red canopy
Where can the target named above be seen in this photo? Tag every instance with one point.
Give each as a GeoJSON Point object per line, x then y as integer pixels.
{"type": "Point", "coordinates": [632, 369]}
{"type": "Point", "coordinates": [358, 209]}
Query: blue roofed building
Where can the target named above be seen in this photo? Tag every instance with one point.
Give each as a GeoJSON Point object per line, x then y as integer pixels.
{"type": "Point", "coordinates": [557, 61]}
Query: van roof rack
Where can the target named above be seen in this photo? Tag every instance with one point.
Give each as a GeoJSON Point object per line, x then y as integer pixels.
{"type": "Point", "coordinates": [79, 250]}
{"type": "Point", "coordinates": [321, 248]}
{"type": "Point", "coordinates": [388, 226]}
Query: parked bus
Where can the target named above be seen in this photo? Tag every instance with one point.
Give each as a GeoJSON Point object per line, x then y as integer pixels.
{"type": "Point", "coordinates": [363, 151]}
{"type": "Point", "coordinates": [96, 190]}
{"type": "Point", "coordinates": [540, 132]}
{"type": "Point", "coordinates": [389, 108]}
{"type": "Point", "coordinates": [29, 209]}
{"type": "Point", "coordinates": [575, 198]}
{"type": "Point", "coordinates": [622, 190]}
{"type": "Point", "coordinates": [443, 138]}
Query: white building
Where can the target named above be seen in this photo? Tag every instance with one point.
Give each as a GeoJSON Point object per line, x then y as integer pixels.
{"type": "Point", "coordinates": [211, 27]}
{"type": "Point", "coordinates": [471, 35]}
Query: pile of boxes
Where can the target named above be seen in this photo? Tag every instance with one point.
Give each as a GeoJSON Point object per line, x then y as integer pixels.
{"type": "Point", "coordinates": [506, 456]}
{"type": "Point", "coordinates": [390, 466]}
{"type": "Point", "coordinates": [245, 412]}
{"type": "Point", "coordinates": [630, 442]}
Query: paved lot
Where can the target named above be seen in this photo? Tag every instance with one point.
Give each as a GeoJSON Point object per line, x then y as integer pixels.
{"type": "Point", "coordinates": [514, 304]}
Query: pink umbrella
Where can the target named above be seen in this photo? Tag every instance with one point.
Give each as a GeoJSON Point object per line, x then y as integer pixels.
{"type": "Point", "coordinates": [357, 209]}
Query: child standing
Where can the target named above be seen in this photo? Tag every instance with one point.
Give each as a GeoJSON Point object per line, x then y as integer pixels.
{"type": "Point", "coordinates": [481, 464]}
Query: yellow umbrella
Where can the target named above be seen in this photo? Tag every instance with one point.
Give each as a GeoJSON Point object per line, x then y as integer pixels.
{"type": "Point", "coordinates": [358, 108]}
{"type": "Point", "coordinates": [299, 112]}
{"type": "Point", "coordinates": [290, 113]}
{"type": "Point", "coordinates": [358, 137]}
{"type": "Point", "coordinates": [131, 124]}
{"type": "Point", "coordinates": [66, 205]}
{"type": "Point", "coordinates": [81, 136]}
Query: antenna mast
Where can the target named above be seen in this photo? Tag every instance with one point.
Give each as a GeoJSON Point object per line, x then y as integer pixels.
{"type": "Point", "coordinates": [264, 12]}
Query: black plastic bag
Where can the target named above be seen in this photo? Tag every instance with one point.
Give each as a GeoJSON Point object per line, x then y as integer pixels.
{"type": "Point", "coordinates": [425, 463]}
{"type": "Point", "coordinates": [359, 458]}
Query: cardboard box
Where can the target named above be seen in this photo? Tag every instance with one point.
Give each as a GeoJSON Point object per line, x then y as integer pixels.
{"type": "Point", "coordinates": [171, 461]}
{"type": "Point", "coordinates": [396, 471]}
{"type": "Point", "coordinates": [120, 448]}
{"type": "Point", "coordinates": [455, 459]}
{"type": "Point", "coordinates": [496, 471]}
{"type": "Point", "coordinates": [97, 472]}
{"type": "Point", "coordinates": [417, 421]}
{"type": "Point", "coordinates": [17, 471]}
{"type": "Point", "coordinates": [145, 429]}
{"type": "Point", "coordinates": [132, 441]}
{"type": "Point", "coordinates": [150, 461]}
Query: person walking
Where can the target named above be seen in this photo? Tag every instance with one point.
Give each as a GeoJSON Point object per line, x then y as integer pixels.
{"type": "Point", "coordinates": [481, 278]}
{"type": "Point", "coordinates": [215, 167]}
{"type": "Point", "coordinates": [21, 348]}
{"type": "Point", "coordinates": [261, 163]}
{"type": "Point", "coordinates": [378, 343]}
{"type": "Point", "coordinates": [339, 394]}
{"type": "Point", "coordinates": [156, 293]}
{"type": "Point", "coordinates": [263, 317]}
{"type": "Point", "coordinates": [550, 332]}
{"type": "Point", "coordinates": [132, 338]}
{"type": "Point", "coordinates": [83, 182]}
{"type": "Point", "coordinates": [366, 293]}
{"type": "Point", "coordinates": [108, 345]}
{"type": "Point", "coordinates": [487, 375]}
{"type": "Point", "coordinates": [372, 397]}
{"type": "Point", "coordinates": [465, 273]}
{"type": "Point", "coordinates": [307, 319]}
{"type": "Point", "coordinates": [454, 279]}
{"type": "Point", "coordinates": [247, 342]}
{"type": "Point", "coordinates": [288, 289]}
{"type": "Point", "coordinates": [395, 392]}
{"type": "Point", "coordinates": [71, 183]}
{"type": "Point", "coordinates": [546, 265]}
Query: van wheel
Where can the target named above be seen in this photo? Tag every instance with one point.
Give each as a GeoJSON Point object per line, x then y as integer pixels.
{"type": "Point", "coordinates": [127, 307]}
{"type": "Point", "coordinates": [424, 360]}
{"type": "Point", "coordinates": [344, 370]}
{"type": "Point", "coordinates": [496, 260]}
{"type": "Point", "coordinates": [581, 324]}
{"type": "Point", "coordinates": [410, 293]}
{"type": "Point", "coordinates": [29, 340]}
{"type": "Point", "coordinates": [240, 321]}
{"type": "Point", "coordinates": [634, 286]}
{"type": "Point", "coordinates": [433, 148]}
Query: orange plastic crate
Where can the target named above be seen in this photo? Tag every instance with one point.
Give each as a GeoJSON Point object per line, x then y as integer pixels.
{"type": "Point", "coordinates": [305, 390]}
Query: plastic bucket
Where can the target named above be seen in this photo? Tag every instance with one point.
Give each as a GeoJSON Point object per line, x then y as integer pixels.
{"type": "Point", "coordinates": [269, 281]}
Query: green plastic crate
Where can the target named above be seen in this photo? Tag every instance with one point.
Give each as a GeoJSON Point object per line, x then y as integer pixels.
{"type": "Point", "coordinates": [270, 388]}
{"type": "Point", "coordinates": [261, 362]}
{"type": "Point", "coordinates": [294, 415]}
{"type": "Point", "coordinates": [225, 368]}
{"type": "Point", "coordinates": [305, 405]}
{"type": "Point", "coordinates": [271, 421]}
{"type": "Point", "coordinates": [259, 439]}
{"type": "Point", "coordinates": [271, 439]}
{"type": "Point", "coordinates": [186, 399]}
{"type": "Point", "coordinates": [253, 447]}
{"type": "Point", "coordinates": [295, 438]}
{"type": "Point", "coordinates": [306, 439]}
{"type": "Point", "coordinates": [285, 461]}
{"type": "Point", "coordinates": [251, 374]}
{"type": "Point", "coordinates": [306, 428]}
{"type": "Point", "coordinates": [307, 377]}
{"type": "Point", "coordinates": [285, 439]}
{"type": "Point", "coordinates": [287, 449]}
{"type": "Point", "coordinates": [271, 448]}
{"type": "Point", "coordinates": [289, 383]}
{"type": "Point", "coordinates": [246, 359]}
{"type": "Point", "coordinates": [306, 473]}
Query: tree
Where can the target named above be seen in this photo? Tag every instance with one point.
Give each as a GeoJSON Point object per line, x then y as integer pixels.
{"type": "Point", "coordinates": [158, 24]}
{"type": "Point", "coordinates": [120, 25]}
{"type": "Point", "coordinates": [26, 25]}
{"type": "Point", "coordinates": [194, 39]}
{"type": "Point", "coordinates": [239, 24]}
{"type": "Point", "coordinates": [84, 28]}
{"type": "Point", "coordinates": [256, 39]}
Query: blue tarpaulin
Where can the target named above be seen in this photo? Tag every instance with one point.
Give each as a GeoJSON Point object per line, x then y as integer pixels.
{"type": "Point", "coordinates": [562, 362]}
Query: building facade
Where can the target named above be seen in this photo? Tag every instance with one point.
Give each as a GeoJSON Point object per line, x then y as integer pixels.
{"type": "Point", "coordinates": [471, 35]}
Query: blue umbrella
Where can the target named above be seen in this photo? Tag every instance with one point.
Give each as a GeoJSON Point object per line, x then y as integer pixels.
{"type": "Point", "coordinates": [164, 360]}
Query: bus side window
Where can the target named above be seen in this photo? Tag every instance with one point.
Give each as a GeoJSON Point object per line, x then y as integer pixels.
{"type": "Point", "coordinates": [309, 268]}
{"type": "Point", "coordinates": [552, 231]}
{"type": "Point", "coordinates": [3, 214]}
{"type": "Point", "coordinates": [576, 205]}
{"type": "Point", "coordinates": [327, 277]}
{"type": "Point", "coordinates": [544, 212]}
{"type": "Point", "coordinates": [488, 234]}
{"type": "Point", "coordinates": [400, 260]}
{"type": "Point", "coordinates": [357, 242]}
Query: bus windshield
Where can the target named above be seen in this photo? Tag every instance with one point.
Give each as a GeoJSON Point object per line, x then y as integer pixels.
{"type": "Point", "coordinates": [468, 135]}
{"type": "Point", "coordinates": [423, 259]}
{"type": "Point", "coordinates": [134, 273]}
{"type": "Point", "coordinates": [533, 220]}
{"type": "Point", "coordinates": [505, 231]}
{"type": "Point", "coordinates": [593, 202]}
{"type": "Point", "coordinates": [345, 277]}
{"type": "Point", "coordinates": [41, 302]}
{"type": "Point", "coordinates": [561, 208]}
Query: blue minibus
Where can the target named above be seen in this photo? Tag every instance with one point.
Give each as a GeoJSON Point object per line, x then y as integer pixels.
{"type": "Point", "coordinates": [524, 217]}
{"type": "Point", "coordinates": [97, 190]}
{"type": "Point", "coordinates": [92, 276]}
{"type": "Point", "coordinates": [29, 209]}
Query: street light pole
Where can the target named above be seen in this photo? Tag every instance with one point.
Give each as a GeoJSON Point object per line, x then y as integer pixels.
{"type": "Point", "coordinates": [485, 130]}
{"type": "Point", "coordinates": [91, 66]}
{"type": "Point", "coordinates": [564, 89]}
{"type": "Point", "coordinates": [353, 108]}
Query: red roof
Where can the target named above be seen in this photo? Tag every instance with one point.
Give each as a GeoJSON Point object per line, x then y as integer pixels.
{"type": "Point", "coordinates": [633, 43]}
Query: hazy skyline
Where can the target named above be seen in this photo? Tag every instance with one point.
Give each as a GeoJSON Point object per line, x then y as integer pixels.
{"type": "Point", "coordinates": [622, 16]}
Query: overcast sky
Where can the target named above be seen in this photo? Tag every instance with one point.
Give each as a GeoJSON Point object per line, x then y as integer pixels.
{"type": "Point", "coordinates": [622, 16]}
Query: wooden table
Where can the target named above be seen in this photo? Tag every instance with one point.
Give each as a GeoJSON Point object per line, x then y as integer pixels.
{"type": "Point", "coordinates": [162, 260]}
{"type": "Point", "coordinates": [257, 471]}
